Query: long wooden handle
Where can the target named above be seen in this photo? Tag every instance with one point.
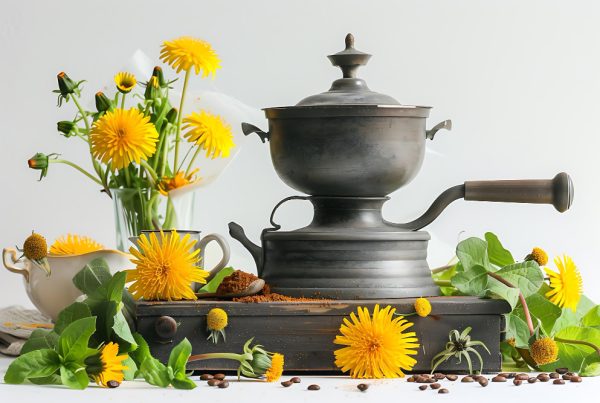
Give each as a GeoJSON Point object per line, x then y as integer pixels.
{"type": "Point", "coordinates": [557, 191]}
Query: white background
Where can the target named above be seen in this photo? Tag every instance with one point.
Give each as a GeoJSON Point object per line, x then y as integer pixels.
{"type": "Point", "coordinates": [518, 79]}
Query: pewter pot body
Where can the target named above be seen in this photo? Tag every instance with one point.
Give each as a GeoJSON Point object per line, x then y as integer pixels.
{"type": "Point", "coordinates": [347, 154]}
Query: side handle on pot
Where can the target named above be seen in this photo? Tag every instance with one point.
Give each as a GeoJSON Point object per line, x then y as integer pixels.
{"type": "Point", "coordinates": [446, 124]}
{"type": "Point", "coordinates": [247, 128]}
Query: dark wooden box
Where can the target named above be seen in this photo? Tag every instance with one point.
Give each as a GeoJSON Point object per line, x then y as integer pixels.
{"type": "Point", "coordinates": [304, 331]}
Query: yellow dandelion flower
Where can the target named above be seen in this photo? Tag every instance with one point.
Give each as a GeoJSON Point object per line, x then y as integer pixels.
{"type": "Point", "coordinates": [422, 307]}
{"type": "Point", "coordinates": [108, 366]}
{"type": "Point", "coordinates": [186, 52]}
{"type": "Point", "coordinates": [179, 180]}
{"type": "Point", "coordinates": [125, 82]}
{"type": "Point", "coordinates": [544, 351]}
{"type": "Point", "coordinates": [165, 268]}
{"type": "Point", "coordinates": [216, 322]}
{"type": "Point", "coordinates": [566, 285]}
{"type": "Point", "coordinates": [35, 247]}
{"type": "Point", "coordinates": [377, 346]}
{"type": "Point", "coordinates": [210, 132]}
{"type": "Point", "coordinates": [74, 245]}
{"type": "Point", "coordinates": [122, 136]}
{"type": "Point", "coordinates": [539, 255]}
{"type": "Point", "coordinates": [275, 371]}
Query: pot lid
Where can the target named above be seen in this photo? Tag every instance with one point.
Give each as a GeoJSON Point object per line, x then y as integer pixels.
{"type": "Point", "coordinates": [349, 90]}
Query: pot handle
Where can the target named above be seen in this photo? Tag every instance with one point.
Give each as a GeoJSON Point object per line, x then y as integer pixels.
{"type": "Point", "coordinates": [446, 124]}
{"type": "Point", "coordinates": [247, 128]}
{"type": "Point", "coordinates": [557, 191]}
{"type": "Point", "coordinates": [10, 265]}
{"type": "Point", "coordinates": [271, 219]}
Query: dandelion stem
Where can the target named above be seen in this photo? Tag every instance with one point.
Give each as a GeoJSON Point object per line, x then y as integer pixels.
{"type": "Point", "coordinates": [88, 128]}
{"type": "Point", "coordinates": [127, 177]}
{"type": "Point", "coordinates": [443, 283]}
{"type": "Point", "coordinates": [190, 165]}
{"type": "Point", "coordinates": [212, 356]}
{"type": "Point", "coordinates": [521, 298]}
{"type": "Point", "coordinates": [77, 167]}
{"type": "Point", "coordinates": [122, 101]}
{"type": "Point", "coordinates": [179, 118]}
{"type": "Point", "coordinates": [150, 171]}
{"type": "Point", "coordinates": [581, 342]}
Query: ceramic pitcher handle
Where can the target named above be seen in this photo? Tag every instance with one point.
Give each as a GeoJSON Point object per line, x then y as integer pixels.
{"type": "Point", "coordinates": [10, 265]}
{"type": "Point", "coordinates": [224, 248]}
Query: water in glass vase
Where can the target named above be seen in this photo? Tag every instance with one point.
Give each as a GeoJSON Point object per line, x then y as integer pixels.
{"type": "Point", "coordinates": [138, 209]}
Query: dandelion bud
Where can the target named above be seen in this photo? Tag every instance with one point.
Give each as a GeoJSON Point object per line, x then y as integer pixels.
{"type": "Point", "coordinates": [172, 116]}
{"type": "Point", "coordinates": [66, 86]}
{"type": "Point", "coordinates": [158, 73]}
{"type": "Point", "coordinates": [65, 127]}
{"type": "Point", "coordinates": [103, 104]}
{"type": "Point", "coordinates": [40, 161]}
{"type": "Point", "coordinates": [152, 88]}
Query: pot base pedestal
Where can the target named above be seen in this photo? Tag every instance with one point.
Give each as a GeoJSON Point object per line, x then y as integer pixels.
{"type": "Point", "coordinates": [304, 331]}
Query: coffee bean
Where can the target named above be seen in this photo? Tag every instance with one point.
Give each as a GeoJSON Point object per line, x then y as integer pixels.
{"type": "Point", "coordinates": [220, 377]}
{"type": "Point", "coordinates": [423, 387]}
{"type": "Point", "coordinates": [512, 375]}
{"type": "Point", "coordinates": [443, 390]}
{"type": "Point", "coordinates": [532, 380]}
{"type": "Point", "coordinates": [116, 384]}
{"type": "Point", "coordinates": [558, 382]}
{"type": "Point", "coordinates": [296, 379]}
{"type": "Point", "coordinates": [430, 380]}
{"type": "Point", "coordinates": [517, 382]}
{"type": "Point", "coordinates": [562, 370]}
{"type": "Point", "coordinates": [362, 387]}
{"type": "Point", "coordinates": [439, 375]}
{"type": "Point", "coordinates": [213, 382]}
{"type": "Point", "coordinates": [504, 374]}
{"type": "Point", "coordinates": [435, 386]}
{"type": "Point", "coordinates": [566, 377]}
{"type": "Point", "coordinates": [576, 379]}
{"type": "Point", "coordinates": [498, 378]}
{"type": "Point", "coordinates": [206, 377]}
{"type": "Point", "coordinates": [410, 379]}
{"type": "Point", "coordinates": [476, 378]}
{"type": "Point", "coordinates": [483, 381]}
{"type": "Point", "coordinates": [223, 384]}
{"type": "Point", "coordinates": [543, 377]}
{"type": "Point", "coordinates": [287, 384]}
{"type": "Point", "coordinates": [522, 377]}
{"type": "Point", "coordinates": [554, 375]}
{"type": "Point", "coordinates": [313, 387]}
{"type": "Point", "coordinates": [571, 373]}
{"type": "Point", "coordinates": [467, 379]}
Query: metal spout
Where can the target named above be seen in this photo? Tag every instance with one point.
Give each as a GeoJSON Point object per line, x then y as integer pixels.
{"type": "Point", "coordinates": [237, 233]}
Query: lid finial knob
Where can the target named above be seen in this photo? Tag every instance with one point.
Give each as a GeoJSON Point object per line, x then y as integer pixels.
{"type": "Point", "coordinates": [349, 59]}
{"type": "Point", "coordinates": [349, 41]}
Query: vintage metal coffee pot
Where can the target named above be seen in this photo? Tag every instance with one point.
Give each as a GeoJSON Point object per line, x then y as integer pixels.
{"type": "Point", "coordinates": [349, 148]}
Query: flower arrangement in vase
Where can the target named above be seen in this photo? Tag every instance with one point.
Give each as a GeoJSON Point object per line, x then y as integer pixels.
{"type": "Point", "coordinates": [143, 155]}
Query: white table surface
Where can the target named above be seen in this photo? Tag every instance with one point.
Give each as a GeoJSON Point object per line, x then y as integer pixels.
{"type": "Point", "coordinates": [333, 389]}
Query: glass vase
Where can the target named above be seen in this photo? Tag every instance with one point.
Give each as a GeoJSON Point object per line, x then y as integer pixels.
{"type": "Point", "coordinates": [138, 209]}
